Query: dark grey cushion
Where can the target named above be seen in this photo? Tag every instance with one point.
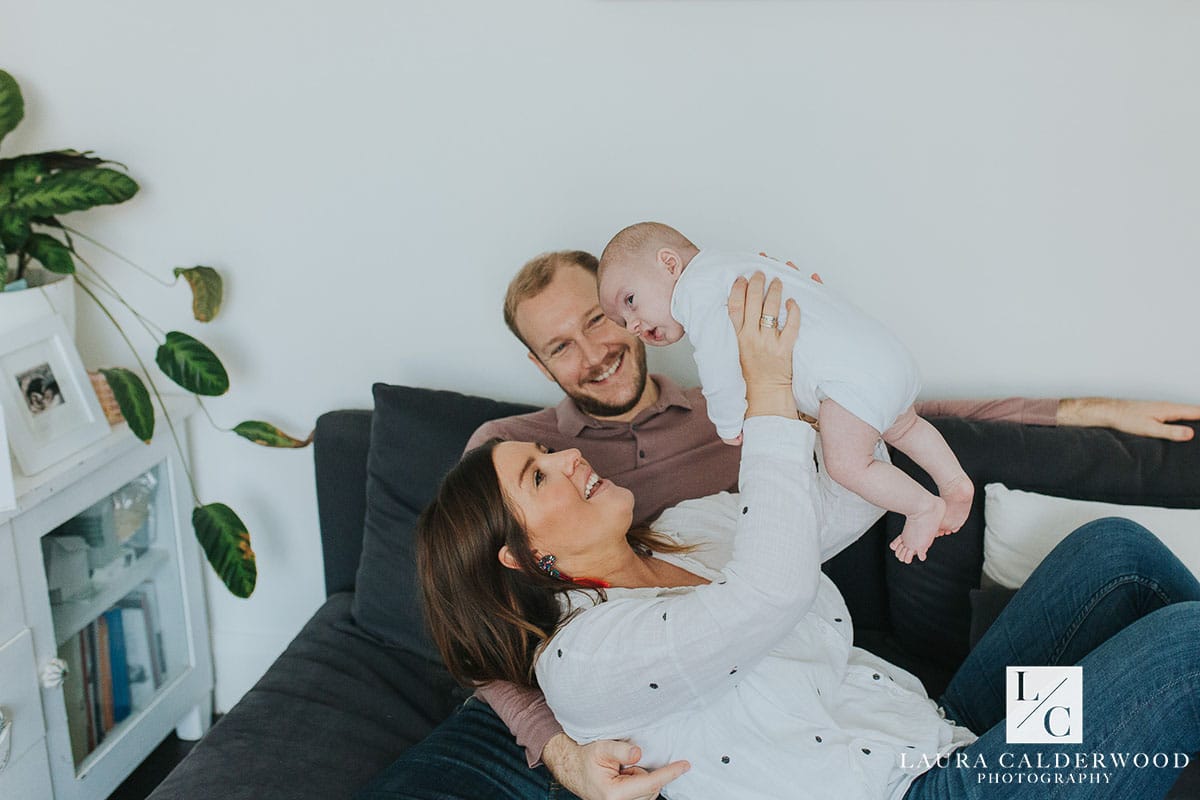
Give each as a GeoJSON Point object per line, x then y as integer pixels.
{"type": "Point", "coordinates": [417, 435]}
{"type": "Point", "coordinates": [332, 711]}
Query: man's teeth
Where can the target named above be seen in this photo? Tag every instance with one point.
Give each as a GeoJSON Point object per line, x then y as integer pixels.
{"type": "Point", "coordinates": [608, 373]}
{"type": "Point", "coordinates": [592, 480]}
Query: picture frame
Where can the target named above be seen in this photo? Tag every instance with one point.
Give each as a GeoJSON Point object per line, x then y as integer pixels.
{"type": "Point", "coordinates": [8, 490]}
{"type": "Point", "coordinates": [49, 405]}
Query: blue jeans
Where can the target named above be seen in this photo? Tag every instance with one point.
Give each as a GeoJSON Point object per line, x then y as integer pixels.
{"type": "Point", "coordinates": [472, 755]}
{"type": "Point", "coordinates": [1114, 600]}
{"type": "Point", "coordinates": [1110, 597]}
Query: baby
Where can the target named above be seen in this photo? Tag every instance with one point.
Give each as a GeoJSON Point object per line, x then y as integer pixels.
{"type": "Point", "coordinates": [848, 370]}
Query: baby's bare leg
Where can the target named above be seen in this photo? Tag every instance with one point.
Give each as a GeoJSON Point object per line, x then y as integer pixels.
{"type": "Point", "coordinates": [848, 444]}
{"type": "Point", "coordinates": [921, 442]}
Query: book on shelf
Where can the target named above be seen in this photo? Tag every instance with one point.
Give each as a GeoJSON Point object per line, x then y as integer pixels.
{"type": "Point", "coordinates": [137, 655]}
{"type": "Point", "coordinates": [75, 697]}
{"type": "Point", "coordinates": [104, 672]}
{"type": "Point", "coordinates": [118, 664]}
{"type": "Point", "coordinates": [143, 599]}
{"type": "Point", "coordinates": [95, 724]}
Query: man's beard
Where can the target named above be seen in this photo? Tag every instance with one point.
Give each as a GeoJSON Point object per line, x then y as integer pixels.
{"type": "Point", "coordinates": [598, 408]}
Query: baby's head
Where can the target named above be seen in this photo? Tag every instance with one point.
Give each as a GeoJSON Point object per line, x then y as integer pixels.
{"type": "Point", "coordinates": [638, 271]}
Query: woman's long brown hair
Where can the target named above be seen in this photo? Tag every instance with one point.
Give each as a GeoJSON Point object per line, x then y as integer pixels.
{"type": "Point", "coordinates": [486, 619]}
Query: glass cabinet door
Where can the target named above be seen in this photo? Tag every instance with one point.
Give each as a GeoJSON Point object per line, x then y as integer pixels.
{"type": "Point", "coordinates": [115, 601]}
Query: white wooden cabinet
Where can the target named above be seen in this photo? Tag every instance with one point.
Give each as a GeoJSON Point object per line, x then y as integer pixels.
{"type": "Point", "coordinates": [100, 570]}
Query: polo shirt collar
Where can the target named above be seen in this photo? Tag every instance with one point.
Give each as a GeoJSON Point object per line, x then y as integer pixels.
{"type": "Point", "coordinates": [572, 421]}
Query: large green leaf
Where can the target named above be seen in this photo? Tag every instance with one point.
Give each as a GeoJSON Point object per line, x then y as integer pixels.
{"type": "Point", "coordinates": [133, 399]}
{"type": "Point", "coordinates": [193, 366]}
{"type": "Point", "coordinates": [268, 435]}
{"type": "Point", "coordinates": [226, 543]}
{"type": "Point", "coordinates": [12, 105]}
{"type": "Point", "coordinates": [53, 254]}
{"type": "Point", "coordinates": [14, 230]}
{"type": "Point", "coordinates": [74, 190]}
{"type": "Point", "coordinates": [22, 172]}
{"type": "Point", "coordinates": [207, 290]}
{"type": "Point", "coordinates": [18, 173]}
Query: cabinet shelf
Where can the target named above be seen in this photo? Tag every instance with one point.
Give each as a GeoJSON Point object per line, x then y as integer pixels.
{"type": "Point", "coordinates": [72, 616]}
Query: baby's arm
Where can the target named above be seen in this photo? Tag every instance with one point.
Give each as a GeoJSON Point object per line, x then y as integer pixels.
{"type": "Point", "coordinates": [716, 353]}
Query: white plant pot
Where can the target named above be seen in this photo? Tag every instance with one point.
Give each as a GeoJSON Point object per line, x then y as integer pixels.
{"type": "Point", "coordinates": [26, 305]}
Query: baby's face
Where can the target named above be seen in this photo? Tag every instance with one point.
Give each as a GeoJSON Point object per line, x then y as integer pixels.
{"type": "Point", "coordinates": [638, 297]}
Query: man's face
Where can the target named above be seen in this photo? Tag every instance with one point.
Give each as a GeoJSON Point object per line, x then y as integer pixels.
{"type": "Point", "coordinates": [598, 364]}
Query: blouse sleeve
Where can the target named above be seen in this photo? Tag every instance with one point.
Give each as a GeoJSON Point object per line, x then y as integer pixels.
{"type": "Point", "coordinates": [632, 661]}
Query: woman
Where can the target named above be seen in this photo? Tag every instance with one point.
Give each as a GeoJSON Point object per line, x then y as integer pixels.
{"type": "Point", "coordinates": [735, 652]}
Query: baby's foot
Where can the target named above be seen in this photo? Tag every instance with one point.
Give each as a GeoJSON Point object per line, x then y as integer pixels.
{"type": "Point", "coordinates": [957, 495]}
{"type": "Point", "coordinates": [920, 529]}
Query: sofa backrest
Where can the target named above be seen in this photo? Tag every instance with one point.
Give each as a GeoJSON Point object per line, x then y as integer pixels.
{"type": "Point", "coordinates": [923, 607]}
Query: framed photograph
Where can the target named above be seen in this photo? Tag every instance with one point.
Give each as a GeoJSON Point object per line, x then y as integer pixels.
{"type": "Point", "coordinates": [49, 405]}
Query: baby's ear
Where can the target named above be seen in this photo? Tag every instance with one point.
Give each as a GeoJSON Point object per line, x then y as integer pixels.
{"type": "Point", "coordinates": [669, 259]}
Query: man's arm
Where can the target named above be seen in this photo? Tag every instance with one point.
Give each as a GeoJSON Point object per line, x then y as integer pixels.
{"type": "Point", "coordinates": [1141, 417]}
{"type": "Point", "coordinates": [526, 714]}
{"type": "Point", "coordinates": [596, 771]}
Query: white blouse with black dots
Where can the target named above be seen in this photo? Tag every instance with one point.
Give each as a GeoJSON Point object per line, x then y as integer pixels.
{"type": "Point", "coordinates": [753, 677]}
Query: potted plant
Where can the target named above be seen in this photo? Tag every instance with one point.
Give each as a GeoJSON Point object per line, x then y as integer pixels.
{"type": "Point", "coordinates": [36, 190]}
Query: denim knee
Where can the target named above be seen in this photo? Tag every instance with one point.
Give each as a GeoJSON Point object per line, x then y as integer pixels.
{"type": "Point", "coordinates": [1114, 533]}
{"type": "Point", "coordinates": [1121, 541]}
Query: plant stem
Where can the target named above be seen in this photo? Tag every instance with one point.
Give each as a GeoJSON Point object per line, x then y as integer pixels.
{"type": "Point", "coordinates": [115, 254]}
{"type": "Point", "coordinates": [146, 372]}
{"type": "Point", "coordinates": [112, 292]}
{"type": "Point", "coordinates": [211, 421]}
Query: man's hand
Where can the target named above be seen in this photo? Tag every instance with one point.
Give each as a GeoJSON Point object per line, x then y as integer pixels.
{"type": "Point", "coordinates": [1141, 417]}
{"type": "Point", "coordinates": [602, 770]}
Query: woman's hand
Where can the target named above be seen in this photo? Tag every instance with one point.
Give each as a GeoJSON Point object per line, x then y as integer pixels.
{"type": "Point", "coordinates": [764, 348]}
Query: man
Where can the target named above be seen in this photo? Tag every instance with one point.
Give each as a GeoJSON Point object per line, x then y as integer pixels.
{"type": "Point", "coordinates": [644, 432]}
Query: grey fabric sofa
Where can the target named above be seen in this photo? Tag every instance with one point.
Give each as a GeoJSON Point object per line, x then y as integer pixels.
{"type": "Point", "coordinates": [353, 690]}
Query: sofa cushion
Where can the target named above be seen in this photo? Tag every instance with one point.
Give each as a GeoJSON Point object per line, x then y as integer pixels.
{"type": "Point", "coordinates": [334, 709]}
{"type": "Point", "coordinates": [1023, 527]}
{"type": "Point", "coordinates": [417, 435]}
{"type": "Point", "coordinates": [929, 602]}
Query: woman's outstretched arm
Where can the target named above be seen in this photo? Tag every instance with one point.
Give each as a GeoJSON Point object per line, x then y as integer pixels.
{"type": "Point", "coordinates": [633, 661]}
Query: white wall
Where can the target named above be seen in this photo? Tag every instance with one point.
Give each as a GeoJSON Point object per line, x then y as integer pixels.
{"type": "Point", "coordinates": [1013, 186]}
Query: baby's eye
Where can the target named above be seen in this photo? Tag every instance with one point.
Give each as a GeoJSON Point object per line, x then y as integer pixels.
{"type": "Point", "coordinates": [629, 300]}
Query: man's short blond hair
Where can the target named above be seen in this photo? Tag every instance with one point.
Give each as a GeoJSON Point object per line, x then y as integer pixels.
{"type": "Point", "coordinates": [533, 278]}
{"type": "Point", "coordinates": [641, 241]}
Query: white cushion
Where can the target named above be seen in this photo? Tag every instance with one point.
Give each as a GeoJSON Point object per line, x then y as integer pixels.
{"type": "Point", "coordinates": [1021, 528]}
